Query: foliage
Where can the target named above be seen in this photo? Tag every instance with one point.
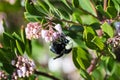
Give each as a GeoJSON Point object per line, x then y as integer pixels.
{"type": "Point", "coordinates": [89, 23]}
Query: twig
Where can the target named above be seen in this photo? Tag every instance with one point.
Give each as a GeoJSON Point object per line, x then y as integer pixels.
{"type": "Point", "coordinates": [46, 75]}
{"type": "Point", "coordinates": [93, 64]}
{"type": "Point", "coordinates": [69, 22]}
{"type": "Point", "coordinates": [105, 5]}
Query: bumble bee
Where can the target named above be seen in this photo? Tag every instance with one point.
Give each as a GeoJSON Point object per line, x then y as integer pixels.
{"type": "Point", "coordinates": [60, 46]}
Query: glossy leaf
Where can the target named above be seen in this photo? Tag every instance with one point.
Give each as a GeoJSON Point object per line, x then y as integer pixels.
{"type": "Point", "coordinates": [88, 19]}
{"type": "Point", "coordinates": [80, 58]}
{"type": "Point", "coordinates": [16, 36]}
{"type": "Point", "coordinates": [106, 28]}
{"type": "Point", "coordinates": [8, 39]}
{"type": "Point", "coordinates": [19, 47]}
{"type": "Point", "coordinates": [23, 36]}
{"type": "Point", "coordinates": [74, 57]}
{"type": "Point", "coordinates": [76, 28]}
{"type": "Point", "coordinates": [85, 75]}
{"type": "Point", "coordinates": [98, 42]}
{"type": "Point", "coordinates": [101, 10]}
{"type": "Point", "coordinates": [5, 58]}
{"type": "Point", "coordinates": [112, 11]}
{"type": "Point", "coordinates": [32, 18]}
{"type": "Point", "coordinates": [111, 65]}
{"type": "Point", "coordinates": [91, 39]}
{"type": "Point", "coordinates": [30, 8]}
{"type": "Point", "coordinates": [28, 47]}
{"type": "Point", "coordinates": [41, 7]}
{"type": "Point", "coordinates": [88, 6]}
{"type": "Point", "coordinates": [75, 3]}
{"type": "Point", "coordinates": [116, 4]}
{"type": "Point", "coordinates": [89, 33]}
{"type": "Point", "coordinates": [76, 17]}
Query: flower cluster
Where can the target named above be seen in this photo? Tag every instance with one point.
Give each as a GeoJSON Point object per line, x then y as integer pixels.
{"type": "Point", "coordinates": [115, 41]}
{"type": "Point", "coordinates": [3, 75]}
{"type": "Point", "coordinates": [24, 67]}
{"type": "Point", "coordinates": [52, 34]}
{"type": "Point", "coordinates": [33, 30]}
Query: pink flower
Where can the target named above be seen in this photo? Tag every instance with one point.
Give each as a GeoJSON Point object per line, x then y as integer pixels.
{"type": "Point", "coordinates": [51, 34]}
{"type": "Point", "coordinates": [33, 30]}
{"type": "Point", "coordinates": [47, 35]}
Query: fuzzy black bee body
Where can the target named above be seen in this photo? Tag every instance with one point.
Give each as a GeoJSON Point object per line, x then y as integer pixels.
{"type": "Point", "coordinates": [59, 46]}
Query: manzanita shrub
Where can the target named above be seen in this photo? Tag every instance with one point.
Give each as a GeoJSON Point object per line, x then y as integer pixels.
{"type": "Point", "coordinates": [93, 25]}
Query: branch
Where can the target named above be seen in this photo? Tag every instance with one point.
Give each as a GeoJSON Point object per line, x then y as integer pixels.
{"type": "Point", "coordinates": [69, 21]}
{"type": "Point", "coordinates": [105, 5]}
{"type": "Point", "coordinates": [93, 64]}
{"type": "Point", "coordinates": [62, 20]}
{"type": "Point", "coordinates": [46, 75]}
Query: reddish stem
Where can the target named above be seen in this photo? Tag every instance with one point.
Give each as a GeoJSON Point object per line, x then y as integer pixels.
{"type": "Point", "coordinates": [93, 64]}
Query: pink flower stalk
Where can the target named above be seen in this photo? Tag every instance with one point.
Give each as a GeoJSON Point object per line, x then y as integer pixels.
{"type": "Point", "coordinates": [33, 30]}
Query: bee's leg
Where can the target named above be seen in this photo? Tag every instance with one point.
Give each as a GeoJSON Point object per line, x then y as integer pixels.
{"type": "Point", "coordinates": [58, 56]}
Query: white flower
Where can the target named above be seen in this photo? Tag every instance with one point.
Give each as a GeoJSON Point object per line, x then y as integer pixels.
{"type": "Point", "coordinates": [19, 72]}
{"type": "Point", "coordinates": [58, 28]}
{"type": "Point", "coordinates": [44, 33]}
{"type": "Point", "coordinates": [56, 35]}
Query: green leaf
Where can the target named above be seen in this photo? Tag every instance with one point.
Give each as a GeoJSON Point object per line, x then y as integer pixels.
{"type": "Point", "coordinates": [7, 39]}
{"type": "Point", "coordinates": [32, 18]}
{"type": "Point", "coordinates": [76, 28]}
{"type": "Point", "coordinates": [112, 11]}
{"type": "Point", "coordinates": [62, 12]}
{"type": "Point", "coordinates": [30, 8]}
{"type": "Point", "coordinates": [106, 28]}
{"type": "Point", "coordinates": [28, 47]}
{"type": "Point", "coordinates": [3, 56]}
{"type": "Point", "coordinates": [19, 47]}
{"type": "Point", "coordinates": [101, 10]}
{"type": "Point", "coordinates": [89, 33]}
{"type": "Point", "coordinates": [76, 17]}
{"type": "Point", "coordinates": [23, 36]}
{"type": "Point", "coordinates": [88, 6]}
{"type": "Point", "coordinates": [6, 57]}
{"type": "Point", "coordinates": [91, 39]}
{"type": "Point", "coordinates": [16, 36]}
{"type": "Point", "coordinates": [88, 19]}
{"type": "Point", "coordinates": [80, 58]}
{"type": "Point", "coordinates": [98, 42]}
{"type": "Point", "coordinates": [74, 57]}
{"type": "Point", "coordinates": [85, 75]}
{"type": "Point", "coordinates": [8, 68]}
{"type": "Point", "coordinates": [110, 65]}
{"type": "Point", "coordinates": [117, 5]}
{"type": "Point", "coordinates": [75, 3]}
{"type": "Point", "coordinates": [41, 7]}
